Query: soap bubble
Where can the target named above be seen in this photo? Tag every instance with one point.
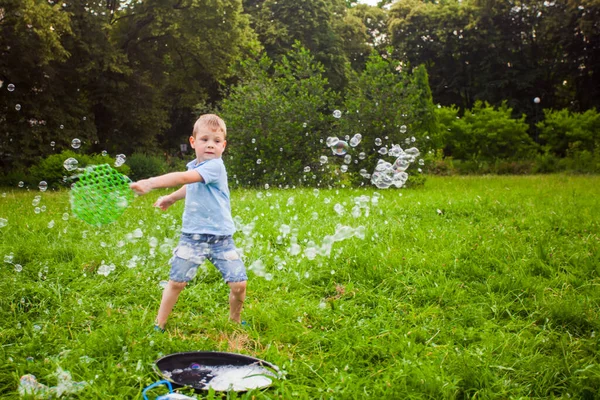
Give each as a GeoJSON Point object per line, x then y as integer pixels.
{"type": "Point", "coordinates": [3, 222]}
{"type": "Point", "coordinates": [11, 87]}
{"type": "Point", "coordinates": [307, 169]}
{"type": "Point", "coordinates": [70, 164]}
{"type": "Point", "coordinates": [337, 114]}
{"type": "Point", "coordinates": [355, 140]}
{"type": "Point", "coordinates": [18, 267]}
{"type": "Point", "coordinates": [400, 165]}
{"type": "Point", "coordinates": [343, 168]}
{"type": "Point", "coordinates": [104, 153]}
{"type": "Point", "coordinates": [395, 151]}
{"type": "Point", "coordinates": [421, 162]}
{"type": "Point", "coordinates": [362, 155]}
{"type": "Point", "coordinates": [332, 141]}
{"type": "Point", "coordinates": [383, 151]}
{"type": "Point", "coordinates": [76, 143]}
{"type": "Point", "coordinates": [413, 151]}
{"type": "Point", "coordinates": [105, 269]}
{"type": "Point", "coordinates": [258, 267]}
{"type": "Point", "coordinates": [382, 165]}
{"type": "Point", "coordinates": [18, 107]}
{"type": "Point", "coordinates": [378, 142]}
{"type": "Point", "coordinates": [62, 127]}
{"type": "Point", "coordinates": [259, 161]}
{"type": "Point", "coordinates": [120, 160]}
{"type": "Point", "coordinates": [21, 184]}
{"type": "Point", "coordinates": [340, 148]}
{"type": "Point", "coordinates": [43, 185]}
{"type": "Point", "coordinates": [403, 129]}
{"type": "Point", "coordinates": [535, 100]}
{"type": "Point", "coordinates": [53, 143]}
{"type": "Point", "coordinates": [323, 159]}
{"type": "Point", "coordinates": [311, 250]}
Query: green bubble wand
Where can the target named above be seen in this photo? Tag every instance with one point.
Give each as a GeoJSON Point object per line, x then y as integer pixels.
{"type": "Point", "coordinates": [100, 195]}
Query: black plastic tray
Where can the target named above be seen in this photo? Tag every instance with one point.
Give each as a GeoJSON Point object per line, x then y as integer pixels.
{"type": "Point", "coordinates": [202, 372]}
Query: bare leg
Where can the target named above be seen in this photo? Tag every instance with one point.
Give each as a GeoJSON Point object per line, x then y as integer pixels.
{"type": "Point", "coordinates": [169, 298]}
{"type": "Point", "coordinates": [237, 295]}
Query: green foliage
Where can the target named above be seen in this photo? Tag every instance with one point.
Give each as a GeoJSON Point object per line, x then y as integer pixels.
{"type": "Point", "coordinates": [485, 133]}
{"type": "Point", "coordinates": [563, 132]}
{"type": "Point", "coordinates": [502, 51]}
{"type": "Point", "coordinates": [281, 23]}
{"type": "Point", "coordinates": [144, 166]}
{"type": "Point", "coordinates": [32, 34]}
{"type": "Point", "coordinates": [389, 103]}
{"type": "Point", "coordinates": [276, 123]}
{"type": "Point", "coordinates": [51, 169]}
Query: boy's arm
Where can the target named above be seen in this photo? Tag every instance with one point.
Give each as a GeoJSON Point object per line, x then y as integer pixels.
{"type": "Point", "coordinates": [178, 194]}
{"type": "Point", "coordinates": [165, 181]}
{"type": "Point", "coordinates": [164, 202]}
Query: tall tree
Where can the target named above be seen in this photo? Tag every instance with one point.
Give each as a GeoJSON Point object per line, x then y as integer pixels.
{"type": "Point", "coordinates": [494, 50]}
{"type": "Point", "coordinates": [363, 29]}
{"type": "Point", "coordinates": [31, 43]}
{"type": "Point", "coordinates": [280, 23]}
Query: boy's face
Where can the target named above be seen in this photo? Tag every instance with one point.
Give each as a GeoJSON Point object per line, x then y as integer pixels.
{"type": "Point", "coordinates": [208, 144]}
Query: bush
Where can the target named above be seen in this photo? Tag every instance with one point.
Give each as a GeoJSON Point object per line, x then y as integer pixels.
{"type": "Point", "coordinates": [546, 163]}
{"type": "Point", "coordinates": [581, 162]}
{"type": "Point", "coordinates": [145, 166]}
{"type": "Point", "coordinates": [562, 131]}
{"type": "Point", "coordinates": [13, 178]}
{"type": "Point", "coordinates": [275, 117]}
{"type": "Point", "coordinates": [513, 167]}
{"type": "Point", "coordinates": [51, 169]}
{"type": "Point", "coordinates": [485, 133]}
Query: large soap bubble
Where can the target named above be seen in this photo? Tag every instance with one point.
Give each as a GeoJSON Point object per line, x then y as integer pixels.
{"type": "Point", "coordinates": [340, 148]}
{"type": "Point", "coordinates": [70, 164]}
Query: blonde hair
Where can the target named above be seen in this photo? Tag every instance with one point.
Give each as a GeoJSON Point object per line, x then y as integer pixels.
{"type": "Point", "coordinates": [211, 121]}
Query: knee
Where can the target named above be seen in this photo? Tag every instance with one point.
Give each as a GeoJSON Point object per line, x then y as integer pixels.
{"type": "Point", "coordinates": [238, 289]}
{"type": "Point", "coordinates": [177, 286]}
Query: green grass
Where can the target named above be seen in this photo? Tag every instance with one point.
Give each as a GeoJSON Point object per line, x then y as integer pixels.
{"type": "Point", "coordinates": [469, 287]}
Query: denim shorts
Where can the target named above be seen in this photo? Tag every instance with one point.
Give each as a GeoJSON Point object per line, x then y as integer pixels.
{"type": "Point", "coordinates": [194, 248]}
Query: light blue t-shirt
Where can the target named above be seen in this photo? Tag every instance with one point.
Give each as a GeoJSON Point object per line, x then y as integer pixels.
{"type": "Point", "coordinates": [207, 206]}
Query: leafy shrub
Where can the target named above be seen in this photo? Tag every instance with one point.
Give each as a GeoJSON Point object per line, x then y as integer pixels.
{"type": "Point", "coordinates": [13, 177]}
{"type": "Point", "coordinates": [485, 133]}
{"type": "Point", "coordinates": [390, 105]}
{"type": "Point", "coordinates": [275, 118]}
{"type": "Point", "coordinates": [546, 163]}
{"type": "Point", "coordinates": [502, 167]}
{"type": "Point", "coordinates": [583, 161]}
{"type": "Point", "coordinates": [562, 131]}
{"type": "Point", "coordinates": [145, 166]}
{"type": "Point", "coordinates": [177, 164]}
{"type": "Point", "coordinates": [51, 169]}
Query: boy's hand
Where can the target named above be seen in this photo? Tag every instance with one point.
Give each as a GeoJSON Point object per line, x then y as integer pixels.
{"type": "Point", "coordinates": [141, 187]}
{"type": "Point", "coordinates": [164, 202]}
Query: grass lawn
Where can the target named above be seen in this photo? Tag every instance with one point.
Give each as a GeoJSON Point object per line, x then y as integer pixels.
{"type": "Point", "coordinates": [468, 287]}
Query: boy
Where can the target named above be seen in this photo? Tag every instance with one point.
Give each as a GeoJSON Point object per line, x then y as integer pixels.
{"type": "Point", "coordinates": [207, 223]}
